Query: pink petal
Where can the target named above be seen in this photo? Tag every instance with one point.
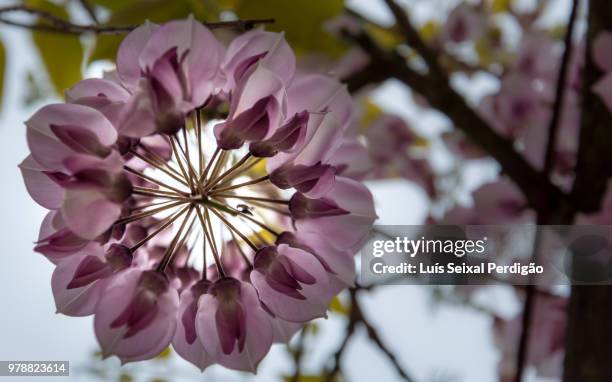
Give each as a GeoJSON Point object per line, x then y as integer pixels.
{"type": "Point", "coordinates": [81, 205]}
{"type": "Point", "coordinates": [40, 186]}
{"type": "Point", "coordinates": [137, 118]}
{"type": "Point", "coordinates": [275, 53]}
{"type": "Point", "coordinates": [106, 96]}
{"type": "Point", "coordinates": [345, 232]}
{"type": "Point", "coordinates": [261, 82]}
{"type": "Point", "coordinates": [324, 134]}
{"type": "Point", "coordinates": [185, 341]}
{"type": "Point", "coordinates": [317, 93]}
{"type": "Point", "coordinates": [146, 343]}
{"type": "Point", "coordinates": [79, 301]}
{"type": "Point", "coordinates": [204, 53]}
{"type": "Point", "coordinates": [339, 264]}
{"type": "Point", "coordinates": [317, 295]}
{"type": "Point", "coordinates": [47, 149]}
{"type": "Point", "coordinates": [352, 159]}
{"type": "Point", "coordinates": [128, 65]}
{"type": "Point", "coordinates": [259, 333]}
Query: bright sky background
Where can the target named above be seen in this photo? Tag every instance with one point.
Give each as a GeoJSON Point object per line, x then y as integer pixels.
{"type": "Point", "coordinates": [430, 341]}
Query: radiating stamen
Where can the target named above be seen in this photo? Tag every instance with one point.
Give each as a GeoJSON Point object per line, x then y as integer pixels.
{"type": "Point", "coordinates": [148, 205]}
{"type": "Point", "coordinates": [231, 227]}
{"type": "Point", "coordinates": [170, 220]}
{"type": "Point", "coordinates": [236, 166]}
{"type": "Point", "coordinates": [249, 183]}
{"type": "Point", "coordinates": [146, 214]}
{"type": "Point", "coordinates": [152, 180]}
{"type": "Point", "coordinates": [209, 165]}
{"type": "Point", "coordinates": [262, 241]}
{"type": "Point", "coordinates": [199, 136]}
{"type": "Point", "coordinates": [161, 267]}
{"type": "Point", "coordinates": [213, 245]}
{"type": "Point", "coordinates": [151, 192]}
{"type": "Point", "coordinates": [250, 218]}
{"type": "Point", "coordinates": [244, 256]}
{"type": "Point", "coordinates": [185, 151]}
{"type": "Point", "coordinates": [219, 165]}
{"type": "Point", "coordinates": [271, 208]}
{"type": "Point", "coordinates": [162, 167]}
{"type": "Point", "coordinates": [180, 163]}
{"type": "Point", "coordinates": [256, 198]}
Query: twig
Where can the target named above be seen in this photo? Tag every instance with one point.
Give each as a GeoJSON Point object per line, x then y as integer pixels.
{"type": "Point", "coordinates": [414, 40]}
{"type": "Point", "coordinates": [90, 11]}
{"type": "Point", "coordinates": [59, 25]}
{"type": "Point", "coordinates": [298, 352]}
{"type": "Point", "coordinates": [543, 216]}
{"type": "Point", "coordinates": [356, 317]}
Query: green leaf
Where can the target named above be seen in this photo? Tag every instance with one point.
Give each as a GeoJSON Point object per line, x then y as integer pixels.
{"type": "Point", "coordinates": [302, 21]}
{"type": "Point", "coordinates": [62, 54]}
{"type": "Point", "coordinates": [136, 13]}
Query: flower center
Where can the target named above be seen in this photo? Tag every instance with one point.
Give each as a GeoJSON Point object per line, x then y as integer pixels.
{"type": "Point", "coordinates": [210, 192]}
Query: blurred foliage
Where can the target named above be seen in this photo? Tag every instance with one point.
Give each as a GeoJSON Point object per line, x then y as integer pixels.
{"type": "Point", "coordinates": [499, 6]}
{"type": "Point", "coordinates": [133, 13]}
{"type": "Point", "coordinates": [64, 69]}
{"type": "Point", "coordinates": [302, 22]}
{"type": "Point", "coordinates": [338, 307]}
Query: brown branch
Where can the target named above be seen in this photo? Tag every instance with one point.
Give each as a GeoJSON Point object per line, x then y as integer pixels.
{"type": "Point", "coordinates": [588, 336]}
{"type": "Point", "coordinates": [544, 217]}
{"type": "Point", "coordinates": [356, 317]}
{"type": "Point", "coordinates": [56, 24]}
{"type": "Point", "coordinates": [414, 40]}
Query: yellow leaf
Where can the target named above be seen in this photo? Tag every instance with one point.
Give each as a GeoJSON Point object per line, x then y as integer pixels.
{"type": "Point", "coordinates": [499, 6]}
{"type": "Point", "coordinates": [420, 142]}
{"type": "Point", "coordinates": [430, 30]}
{"type": "Point", "coordinates": [371, 111]}
{"type": "Point", "coordinates": [337, 306]}
{"type": "Point", "coordinates": [62, 54]}
{"type": "Point", "coordinates": [164, 355]}
{"type": "Point", "coordinates": [301, 20]}
{"type": "Point", "coordinates": [385, 37]}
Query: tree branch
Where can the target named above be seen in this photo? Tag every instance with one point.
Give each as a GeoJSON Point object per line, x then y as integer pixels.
{"type": "Point", "coordinates": [414, 40]}
{"type": "Point", "coordinates": [58, 25]}
{"type": "Point", "coordinates": [588, 338]}
{"type": "Point", "coordinates": [356, 317]}
{"type": "Point", "coordinates": [540, 193]}
{"type": "Point", "coordinates": [544, 217]}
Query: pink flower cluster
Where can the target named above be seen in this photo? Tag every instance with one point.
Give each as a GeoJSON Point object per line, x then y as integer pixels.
{"type": "Point", "coordinates": [154, 170]}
